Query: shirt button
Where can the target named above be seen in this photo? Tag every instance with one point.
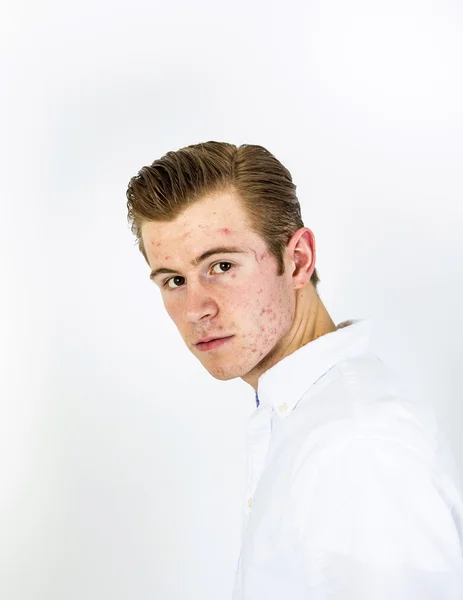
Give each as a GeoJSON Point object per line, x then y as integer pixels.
{"type": "Point", "coordinates": [250, 502]}
{"type": "Point", "coordinates": [283, 407]}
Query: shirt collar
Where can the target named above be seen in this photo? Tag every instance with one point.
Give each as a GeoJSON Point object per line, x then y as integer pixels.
{"type": "Point", "coordinates": [285, 383]}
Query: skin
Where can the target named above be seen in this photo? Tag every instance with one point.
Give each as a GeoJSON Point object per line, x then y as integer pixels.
{"type": "Point", "coordinates": [270, 316]}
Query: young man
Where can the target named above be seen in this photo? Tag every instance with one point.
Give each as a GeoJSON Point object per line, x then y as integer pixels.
{"type": "Point", "coordinates": [352, 491]}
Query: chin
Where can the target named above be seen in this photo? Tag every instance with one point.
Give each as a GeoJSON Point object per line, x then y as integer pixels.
{"type": "Point", "coordinates": [224, 377]}
{"type": "Point", "coordinates": [226, 374]}
{"type": "Point", "coordinates": [223, 374]}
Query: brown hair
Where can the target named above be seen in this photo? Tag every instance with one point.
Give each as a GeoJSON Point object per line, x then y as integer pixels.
{"type": "Point", "coordinates": [264, 186]}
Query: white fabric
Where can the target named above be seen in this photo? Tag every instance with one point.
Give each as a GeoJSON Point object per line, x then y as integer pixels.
{"type": "Point", "coordinates": [352, 491]}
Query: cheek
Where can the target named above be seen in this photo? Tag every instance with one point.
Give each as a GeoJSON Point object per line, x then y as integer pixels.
{"type": "Point", "coordinates": [172, 308]}
{"type": "Point", "coordinates": [273, 309]}
{"type": "Point", "coordinates": [260, 302]}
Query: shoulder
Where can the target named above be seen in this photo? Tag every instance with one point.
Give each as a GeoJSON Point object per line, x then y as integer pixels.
{"type": "Point", "coordinates": [355, 444]}
{"type": "Point", "coordinates": [363, 404]}
{"type": "Point", "coordinates": [383, 431]}
{"type": "Point", "coordinates": [373, 461]}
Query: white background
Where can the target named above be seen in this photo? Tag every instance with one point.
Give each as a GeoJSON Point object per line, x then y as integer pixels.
{"type": "Point", "coordinates": [122, 459]}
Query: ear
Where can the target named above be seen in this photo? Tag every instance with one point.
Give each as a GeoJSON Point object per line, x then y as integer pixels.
{"type": "Point", "coordinates": [302, 255]}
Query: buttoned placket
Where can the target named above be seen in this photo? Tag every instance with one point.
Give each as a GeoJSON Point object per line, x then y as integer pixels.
{"type": "Point", "coordinates": [258, 441]}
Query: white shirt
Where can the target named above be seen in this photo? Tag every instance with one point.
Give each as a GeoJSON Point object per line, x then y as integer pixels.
{"type": "Point", "coordinates": [352, 491]}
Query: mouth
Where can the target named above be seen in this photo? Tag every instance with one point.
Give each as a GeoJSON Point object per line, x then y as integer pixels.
{"type": "Point", "coordinates": [212, 344]}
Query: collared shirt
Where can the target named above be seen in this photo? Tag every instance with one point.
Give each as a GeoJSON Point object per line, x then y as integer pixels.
{"type": "Point", "coordinates": [352, 491]}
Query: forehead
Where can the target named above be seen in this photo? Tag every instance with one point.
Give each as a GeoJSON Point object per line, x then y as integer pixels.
{"type": "Point", "coordinates": [218, 217]}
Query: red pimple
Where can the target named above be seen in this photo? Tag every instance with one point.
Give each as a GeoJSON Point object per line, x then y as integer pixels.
{"type": "Point", "coordinates": [225, 230]}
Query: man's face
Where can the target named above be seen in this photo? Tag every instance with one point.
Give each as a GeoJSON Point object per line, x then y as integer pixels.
{"type": "Point", "coordinates": [238, 295]}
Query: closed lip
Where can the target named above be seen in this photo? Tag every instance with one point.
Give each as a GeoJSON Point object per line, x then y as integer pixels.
{"type": "Point", "coordinates": [209, 339]}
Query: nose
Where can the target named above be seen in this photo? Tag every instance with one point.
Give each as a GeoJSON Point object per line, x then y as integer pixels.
{"type": "Point", "coordinates": [199, 304]}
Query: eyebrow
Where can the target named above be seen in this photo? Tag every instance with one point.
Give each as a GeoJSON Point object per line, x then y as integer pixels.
{"type": "Point", "coordinates": [201, 257]}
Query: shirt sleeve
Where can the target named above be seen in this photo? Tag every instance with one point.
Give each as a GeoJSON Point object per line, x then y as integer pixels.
{"type": "Point", "coordinates": [372, 523]}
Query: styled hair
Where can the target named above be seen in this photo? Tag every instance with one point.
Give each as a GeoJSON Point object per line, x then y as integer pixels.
{"type": "Point", "coordinates": [163, 190]}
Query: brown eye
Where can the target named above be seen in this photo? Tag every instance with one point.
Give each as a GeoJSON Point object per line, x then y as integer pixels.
{"type": "Point", "coordinates": [226, 268]}
{"type": "Point", "coordinates": [174, 279]}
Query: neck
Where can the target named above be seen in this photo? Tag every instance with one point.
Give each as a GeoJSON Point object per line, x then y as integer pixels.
{"type": "Point", "coordinates": [311, 321]}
